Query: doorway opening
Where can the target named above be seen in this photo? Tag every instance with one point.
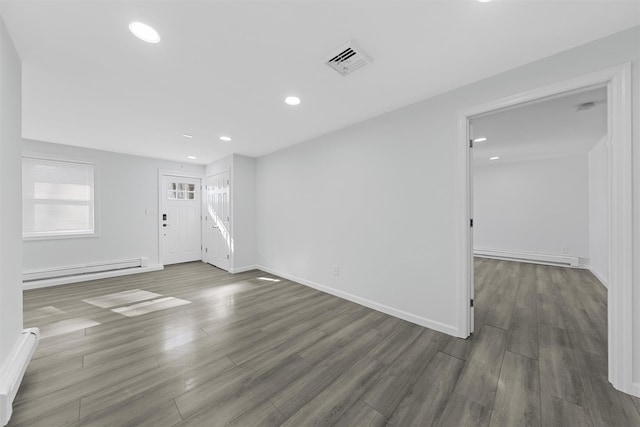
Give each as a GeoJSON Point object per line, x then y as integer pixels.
{"type": "Point", "coordinates": [616, 82]}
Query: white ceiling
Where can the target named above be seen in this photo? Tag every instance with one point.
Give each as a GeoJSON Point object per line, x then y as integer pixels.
{"type": "Point", "coordinates": [549, 128]}
{"type": "Point", "coordinates": [224, 68]}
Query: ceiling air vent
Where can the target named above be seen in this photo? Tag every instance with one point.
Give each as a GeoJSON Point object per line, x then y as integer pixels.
{"type": "Point", "coordinates": [348, 58]}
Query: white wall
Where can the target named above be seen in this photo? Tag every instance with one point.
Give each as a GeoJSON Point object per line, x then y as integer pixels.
{"type": "Point", "coordinates": [242, 190]}
{"type": "Point", "coordinates": [537, 206]}
{"type": "Point", "coordinates": [10, 195]}
{"type": "Point", "coordinates": [127, 188]}
{"type": "Point", "coordinates": [377, 198]}
{"type": "Point", "coordinates": [598, 218]}
{"type": "Point", "coordinates": [244, 212]}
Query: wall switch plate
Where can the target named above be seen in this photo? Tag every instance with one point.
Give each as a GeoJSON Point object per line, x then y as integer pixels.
{"type": "Point", "coordinates": [336, 270]}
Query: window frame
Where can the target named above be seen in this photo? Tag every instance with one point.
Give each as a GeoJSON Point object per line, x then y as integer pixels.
{"type": "Point", "coordinates": [47, 157]}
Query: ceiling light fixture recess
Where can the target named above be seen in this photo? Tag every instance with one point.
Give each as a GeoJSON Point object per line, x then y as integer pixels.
{"type": "Point", "coordinates": [481, 139]}
{"type": "Point", "coordinates": [494, 158]}
{"type": "Point", "coordinates": [292, 100]}
{"type": "Point", "coordinates": [186, 135]}
{"type": "Point", "coordinates": [225, 138]}
{"type": "Point", "coordinates": [191, 157]}
{"type": "Point", "coordinates": [144, 32]}
{"type": "Point", "coordinates": [484, 1]}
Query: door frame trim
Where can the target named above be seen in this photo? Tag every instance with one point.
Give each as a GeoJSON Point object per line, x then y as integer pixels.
{"type": "Point", "coordinates": [172, 172]}
{"type": "Point", "coordinates": [619, 111]}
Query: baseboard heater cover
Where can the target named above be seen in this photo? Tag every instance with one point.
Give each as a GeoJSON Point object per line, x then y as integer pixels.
{"type": "Point", "coordinates": [13, 369]}
{"type": "Point", "coordinates": [76, 270]}
{"type": "Point", "coordinates": [529, 257]}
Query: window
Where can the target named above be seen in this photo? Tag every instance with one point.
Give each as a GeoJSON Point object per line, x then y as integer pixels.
{"type": "Point", "coordinates": [57, 198]}
{"type": "Point", "coordinates": [181, 191]}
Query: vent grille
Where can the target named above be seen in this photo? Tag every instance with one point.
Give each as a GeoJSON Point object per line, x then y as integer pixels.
{"type": "Point", "coordinates": [348, 58]}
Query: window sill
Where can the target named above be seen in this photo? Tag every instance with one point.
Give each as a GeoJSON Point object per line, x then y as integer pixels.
{"type": "Point", "coordinates": [34, 237]}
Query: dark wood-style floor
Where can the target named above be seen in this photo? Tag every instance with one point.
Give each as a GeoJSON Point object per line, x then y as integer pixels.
{"type": "Point", "coordinates": [252, 349]}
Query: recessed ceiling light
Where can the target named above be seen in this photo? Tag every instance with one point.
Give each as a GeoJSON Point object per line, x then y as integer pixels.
{"type": "Point", "coordinates": [186, 135]}
{"type": "Point", "coordinates": [191, 157]}
{"type": "Point", "coordinates": [494, 158]}
{"type": "Point", "coordinates": [225, 138]}
{"type": "Point", "coordinates": [481, 139]}
{"type": "Point", "coordinates": [144, 32]}
{"type": "Point", "coordinates": [484, 1]}
{"type": "Point", "coordinates": [292, 100]}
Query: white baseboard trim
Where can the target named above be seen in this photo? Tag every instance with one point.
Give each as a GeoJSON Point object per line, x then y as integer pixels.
{"type": "Point", "coordinates": [599, 277]}
{"type": "Point", "coordinates": [547, 259]}
{"type": "Point", "coordinates": [35, 284]}
{"type": "Point", "coordinates": [635, 389]}
{"type": "Point", "coordinates": [243, 269]}
{"type": "Point", "coordinates": [401, 314]}
{"type": "Point", "coordinates": [13, 369]}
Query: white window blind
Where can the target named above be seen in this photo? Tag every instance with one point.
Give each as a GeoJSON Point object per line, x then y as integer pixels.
{"type": "Point", "coordinates": [57, 198]}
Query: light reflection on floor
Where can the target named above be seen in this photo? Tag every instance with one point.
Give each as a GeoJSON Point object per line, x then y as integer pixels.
{"type": "Point", "coordinates": [150, 306]}
{"type": "Point", "coordinates": [121, 298]}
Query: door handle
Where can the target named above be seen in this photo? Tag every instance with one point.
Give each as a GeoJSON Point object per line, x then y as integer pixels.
{"type": "Point", "coordinates": [214, 227]}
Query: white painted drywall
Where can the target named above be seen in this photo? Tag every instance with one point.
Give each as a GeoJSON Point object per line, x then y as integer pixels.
{"type": "Point", "coordinates": [244, 212]}
{"type": "Point", "coordinates": [242, 190]}
{"type": "Point", "coordinates": [127, 198]}
{"type": "Point", "coordinates": [598, 203]}
{"type": "Point", "coordinates": [537, 206]}
{"type": "Point", "coordinates": [10, 195]}
{"type": "Point", "coordinates": [377, 198]}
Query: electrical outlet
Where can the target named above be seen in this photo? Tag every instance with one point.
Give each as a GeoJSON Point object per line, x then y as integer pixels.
{"type": "Point", "coordinates": [565, 250]}
{"type": "Point", "coordinates": [336, 270]}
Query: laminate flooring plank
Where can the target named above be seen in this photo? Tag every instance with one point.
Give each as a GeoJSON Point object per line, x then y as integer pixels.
{"type": "Point", "coordinates": [559, 374]}
{"type": "Point", "coordinates": [395, 344]}
{"type": "Point", "coordinates": [161, 384]}
{"type": "Point", "coordinates": [60, 416]}
{"type": "Point", "coordinates": [549, 302]}
{"type": "Point", "coordinates": [456, 347]}
{"type": "Point", "coordinates": [261, 415]}
{"type": "Point", "coordinates": [424, 403]}
{"type": "Point", "coordinates": [142, 347]}
{"type": "Point", "coordinates": [361, 415]}
{"type": "Point", "coordinates": [303, 389]}
{"type": "Point", "coordinates": [166, 414]}
{"type": "Point", "coordinates": [479, 379]}
{"type": "Point", "coordinates": [354, 324]}
{"type": "Point", "coordinates": [329, 405]}
{"type": "Point", "coordinates": [230, 395]}
{"type": "Point", "coordinates": [518, 397]}
{"type": "Point", "coordinates": [42, 405]}
{"type": "Point", "coordinates": [462, 412]}
{"type": "Point", "coordinates": [81, 377]}
{"type": "Point", "coordinates": [523, 333]}
{"type": "Point", "coordinates": [607, 406]}
{"type": "Point", "coordinates": [557, 412]}
{"type": "Point", "coordinates": [400, 375]}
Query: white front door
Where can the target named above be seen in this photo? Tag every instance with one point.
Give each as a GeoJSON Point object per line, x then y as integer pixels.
{"type": "Point", "coordinates": [217, 221]}
{"type": "Point", "coordinates": [180, 219]}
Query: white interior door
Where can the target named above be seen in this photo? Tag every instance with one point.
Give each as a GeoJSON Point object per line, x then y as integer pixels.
{"type": "Point", "coordinates": [180, 219]}
{"type": "Point", "coordinates": [217, 220]}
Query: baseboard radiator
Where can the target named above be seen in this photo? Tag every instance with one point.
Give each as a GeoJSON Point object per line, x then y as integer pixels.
{"type": "Point", "coordinates": [561, 260]}
{"type": "Point", "coordinates": [13, 369]}
{"type": "Point", "coordinates": [77, 270]}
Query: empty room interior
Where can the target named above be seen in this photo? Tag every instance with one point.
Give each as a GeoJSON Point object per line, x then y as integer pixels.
{"type": "Point", "coordinates": [243, 213]}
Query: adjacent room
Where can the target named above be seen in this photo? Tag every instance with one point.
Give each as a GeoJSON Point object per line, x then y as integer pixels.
{"type": "Point", "coordinates": [244, 213]}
